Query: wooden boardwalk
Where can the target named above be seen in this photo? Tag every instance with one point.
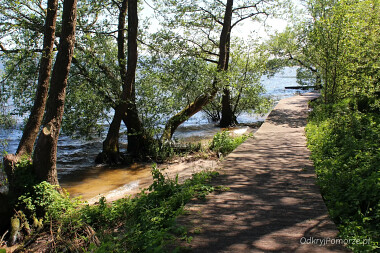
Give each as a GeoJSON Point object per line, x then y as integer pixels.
{"type": "Point", "coordinates": [273, 204]}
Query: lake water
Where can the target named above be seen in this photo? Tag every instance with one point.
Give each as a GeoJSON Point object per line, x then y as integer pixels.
{"type": "Point", "coordinates": [76, 157]}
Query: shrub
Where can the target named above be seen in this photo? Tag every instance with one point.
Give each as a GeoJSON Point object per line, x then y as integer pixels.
{"type": "Point", "coordinates": [224, 144]}
{"type": "Point", "coordinates": [141, 224]}
{"type": "Point", "coordinates": [346, 152]}
{"type": "Point", "coordinates": [146, 223]}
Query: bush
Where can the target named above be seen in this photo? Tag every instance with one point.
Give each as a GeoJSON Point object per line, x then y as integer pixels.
{"type": "Point", "coordinates": [145, 223]}
{"type": "Point", "coordinates": [224, 144]}
{"type": "Point", "coordinates": [346, 152]}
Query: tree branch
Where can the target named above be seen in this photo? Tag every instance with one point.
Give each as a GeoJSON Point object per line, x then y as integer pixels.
{"type": "Point", "coordinates": [212, 16]}
{"type": "Point", "coordinates": [249, 16]}
{"type": "Point", "coordinates": [302, 63]}
{"type": "Point", "coordinates": [209, 60]}
{"type": "Point", "coordinates": [14, 51]}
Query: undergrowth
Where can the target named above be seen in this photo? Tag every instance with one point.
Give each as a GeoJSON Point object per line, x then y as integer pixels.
{"type": "Point", "coordinates": [145, 223]}
{"type": "Point", "coordinates": [141, 224]}
{"type": "Point", "coordinates": [345, 149]}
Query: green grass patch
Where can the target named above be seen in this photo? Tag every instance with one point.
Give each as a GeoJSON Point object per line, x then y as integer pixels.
{"type": "Point", "coordinates": [345, 148]}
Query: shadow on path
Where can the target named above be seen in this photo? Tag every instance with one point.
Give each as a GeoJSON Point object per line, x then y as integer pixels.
{"type": "Point", "coordinates": [273, 204]}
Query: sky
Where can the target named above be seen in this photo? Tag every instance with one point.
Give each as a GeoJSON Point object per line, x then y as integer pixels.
{"type": "Point", "coordinates": [257, 29]}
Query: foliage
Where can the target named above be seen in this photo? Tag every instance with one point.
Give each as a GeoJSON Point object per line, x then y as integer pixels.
{"type": "Point", "coordinates": [147, 220]}
{"type": "Point", "coordinates": [346, 152]}
{"type": "Point", "coordinates": [146, 223]}
{"type": "Point", "coordinates": [6, 121]}
{"type": "Point", "coordinates": [343, 134]}
{"type": "Point", "coordinates": [345, 41]}
{"type": "Point", "coordinates": [91, 90]}
{"type": "Point", "coordinates": [166, 85]}
{"type": "Point", "coordinates": [44, 201]}
{"type": "Point", "coordinates": [141, 224]}
{"type": "Point", "coordinates": [224, 144]}
{"type": "Point", "coordinates": [43, 206]}
{"type": "Point", "coordinates": [247, 65]}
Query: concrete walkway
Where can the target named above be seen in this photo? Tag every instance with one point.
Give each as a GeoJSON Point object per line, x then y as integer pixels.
{"type": "Point", "coordinates": [273, 204]}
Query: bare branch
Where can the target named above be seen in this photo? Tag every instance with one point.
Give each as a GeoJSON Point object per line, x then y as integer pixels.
{"type": "Point", "coordinates": [221, 3]}
{"type": "Point", "coordinates": [209, 38]}
{"type": "Point", "coordinates": [249, 16]}
{"type": "Point", "coordinates": [201, 47]}
{"type": "Point", "coordinates": [209, 60]}
{"type": "Point", "coordinates": [302, 63]}
{"type": "Point", "coordinates": [244, 7]}
{"type": "Point", "coordinates": [42, 14]}
{"type": "Point", "coordinates": [13, 51]}
{"type": "Point", "coordinates": [84, 72]}
{"type": "Point", "coordinates": [212, 16]}
{"type": "Point", "coordinates": [100, 65]}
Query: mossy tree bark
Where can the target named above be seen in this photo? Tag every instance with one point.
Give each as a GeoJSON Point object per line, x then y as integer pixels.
{"type": "Point", "coordinates": [45, 154]}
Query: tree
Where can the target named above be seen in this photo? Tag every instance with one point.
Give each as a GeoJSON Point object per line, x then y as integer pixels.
{"type": "Point", "coordinates": [43, 167]}
{"type": "Point", "coordinates": [126, 109]}
{"type": "Point", "coordinates": [33, 124]}
{"type": "Point", "coordinates": [335, 37]}
{"type": "Point", "coordinates": [290, 48]}
{"type": "Point", "coordinates": [45, 154]}
{"type": "Point", "coordinates": [247, 65]}
{"type": "Point", "coordinates": [201, 22]}
{"type": "Point", "coordinates": [202, 100]}
{"type": "Point", "coordinates": [95, 81]}
{"type": "Point", "coordinates": [21, 45]}
{"type": "Point", "coordinates": [30, 132]}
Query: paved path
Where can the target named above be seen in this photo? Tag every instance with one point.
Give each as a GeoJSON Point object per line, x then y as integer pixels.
{"type": "Point", "coordinates": [273, 203]}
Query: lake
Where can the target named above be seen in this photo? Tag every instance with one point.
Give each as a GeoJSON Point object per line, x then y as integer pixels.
{"type": "Point", "coordinates": [76, 156]}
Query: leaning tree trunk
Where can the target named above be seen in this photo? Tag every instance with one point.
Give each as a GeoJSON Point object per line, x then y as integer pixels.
{"type": "Point", "coordinates": [35, 118]}
{"type": "Point", "coordinates": [45, 154]}
{"type": "Point", "coordinates": [204, 99]}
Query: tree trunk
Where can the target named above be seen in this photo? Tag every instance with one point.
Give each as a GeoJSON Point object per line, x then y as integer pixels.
{"type": "Point", "coordinates": [110, 153]}
{"type": "Point", "coordinates": [136, 137]}
{"type": "Point", "coordinates": [45, 154]}
{"type": "Point", "coordinates": [175, 121]}
{"type": "Point", "coordinates": [204, 99]}
{"type": "Point", "coordinates": [228, 118]}
{"type": "Point", "coordinates": [126, 110]}
{"type": "Point", "coordinates": [35, 118]}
